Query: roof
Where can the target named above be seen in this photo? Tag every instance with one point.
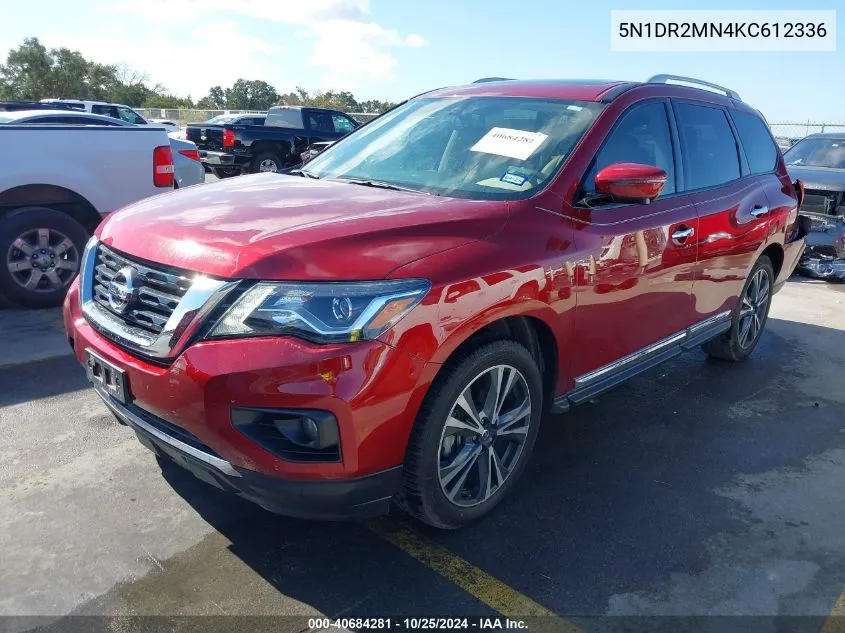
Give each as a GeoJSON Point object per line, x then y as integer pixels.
{"type": "Point", "coordinates": [593, 90]}
{"type": "Point", "coordinates": [831, 135]}
{"type": "Point", "coordinates": [549, 89]}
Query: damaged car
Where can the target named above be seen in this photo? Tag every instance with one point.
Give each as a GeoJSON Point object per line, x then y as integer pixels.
{"type": "Point", "coordinates": [818, 161]}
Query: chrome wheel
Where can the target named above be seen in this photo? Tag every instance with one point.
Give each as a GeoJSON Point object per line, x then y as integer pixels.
{"type": "Point", "coordinates": [484, 435]}
{"type": "Point", "coordinates": [268, 165]}
{"type": "Point", "coordinates": [752, 311]}
{"type": "Point", "coordinates": [42, 260]}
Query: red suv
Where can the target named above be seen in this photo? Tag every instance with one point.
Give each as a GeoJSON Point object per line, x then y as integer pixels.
{"type": "Point", "coordinates": [390, 322]}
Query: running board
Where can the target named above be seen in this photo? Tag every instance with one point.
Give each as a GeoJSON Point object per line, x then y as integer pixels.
{"type": "Point", "coordinates": [591, 384]}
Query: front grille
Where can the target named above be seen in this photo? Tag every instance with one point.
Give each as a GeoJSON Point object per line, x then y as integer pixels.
{"type": "Point", "coordinates": [158, 289]}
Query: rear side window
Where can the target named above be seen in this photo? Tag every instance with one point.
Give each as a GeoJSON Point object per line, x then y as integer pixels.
{"type": "Point", "coordinates": [757, 142]}
{"type": "Point", "coordinates": [642, 136]}
{"type": "Point", "coordinates": [708, 146]}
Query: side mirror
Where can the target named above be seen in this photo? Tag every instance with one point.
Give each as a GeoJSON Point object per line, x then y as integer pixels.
{"type": "Point", "coordinates": [631, 182]}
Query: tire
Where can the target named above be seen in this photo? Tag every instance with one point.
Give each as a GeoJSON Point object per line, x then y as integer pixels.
{"type": "Point", "coordinates": [224, 172]}
{"type": "Point", "coordinates": [265, 159]}
{"type": "Point", "coordinates": [430, 471]}
{"type": "Point", "coordinates": [736, 345]}
{"type": "Point", "coordinates": [60, 259]}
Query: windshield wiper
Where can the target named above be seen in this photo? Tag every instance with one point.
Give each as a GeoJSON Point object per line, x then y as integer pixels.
{"type": "Point", "coordinates": [364, 182]}
{"type": "Point", "coordinates": [304, 173]}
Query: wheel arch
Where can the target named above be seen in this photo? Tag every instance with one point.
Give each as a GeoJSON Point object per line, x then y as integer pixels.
{"type": "Point", "coordinates": [776, 255]}
{"type": "Point", "coordinates": [53, 197]}
{"type": "Point", "coordinates": [531, 331]}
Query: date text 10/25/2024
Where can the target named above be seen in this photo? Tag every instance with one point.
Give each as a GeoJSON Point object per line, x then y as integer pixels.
{"type": "Point", "coordinates": [401, 624]}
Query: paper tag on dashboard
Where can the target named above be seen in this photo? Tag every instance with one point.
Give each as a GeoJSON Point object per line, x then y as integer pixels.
{"type": "Point", "coordinates": [503, 141]}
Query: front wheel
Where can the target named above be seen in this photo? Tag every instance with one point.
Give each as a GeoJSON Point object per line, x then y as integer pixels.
{"type": "Point", "coordinates": [40, 254]}
{"type": "Point", "coordinates": [473, 435]}
{"type": "Point", "coordinates": [749, 317]}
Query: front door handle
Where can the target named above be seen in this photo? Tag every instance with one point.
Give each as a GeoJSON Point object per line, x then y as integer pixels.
{"type": "Point", "coordinates": [680, 235]}
{"type": "Point", "coordinates": [758, 212]}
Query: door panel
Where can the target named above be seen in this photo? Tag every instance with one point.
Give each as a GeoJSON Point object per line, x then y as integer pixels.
{"type": "Point", "coordinates": [633, 281]}
{"type": "Point", "coordinates": [733, 223]}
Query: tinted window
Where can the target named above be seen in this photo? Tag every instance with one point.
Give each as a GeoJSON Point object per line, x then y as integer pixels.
{"type": "Point", "coordinates": [67, 120]}
{"type": "Point", "coordinates": [708, 146]}
{"type": "Point", "coordinates": [320, 122]}
{"type": "Point", "coordinates": [342, 124]}
{"type": "Point", "coordinates": [760, 149]}
{"type": "Point", "coordinates": [105, 110]}
{"type": "Point", "coordinates": [642, 136]}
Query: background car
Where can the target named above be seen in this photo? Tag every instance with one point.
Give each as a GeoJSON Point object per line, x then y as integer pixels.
{"type": "Point", "coordinates": [114, 111]}
{"type": "Point", "coordinates": [818, 161]}
{"type": "Point", "coordinates": [186, 161]}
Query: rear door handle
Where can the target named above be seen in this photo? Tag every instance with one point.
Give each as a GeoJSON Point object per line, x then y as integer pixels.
{"type": "Point", "coordinates": [759, 211]}
{"type": "Point", "coordinates": [680, 235]}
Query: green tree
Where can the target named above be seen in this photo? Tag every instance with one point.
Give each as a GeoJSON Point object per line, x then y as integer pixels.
{"type": "Point", "coordinates": [27, 71]}
{"type": "Point", "coordinates": [248, 94]}
{"type": "Point", "coordinates": [169, 101]}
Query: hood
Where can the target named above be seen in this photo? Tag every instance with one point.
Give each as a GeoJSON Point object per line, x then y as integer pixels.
{"type": "Point", "coordinates": [271, 226]}
{"type": "Point", "coordinates": [824, 178]}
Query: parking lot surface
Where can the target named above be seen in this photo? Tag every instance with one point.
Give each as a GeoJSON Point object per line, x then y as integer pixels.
{"type": "Point", "coordinates": [698, 488]}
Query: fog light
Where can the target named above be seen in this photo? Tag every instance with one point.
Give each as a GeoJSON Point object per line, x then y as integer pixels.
{"type": "Point", "coordinates": [309, 429]}
{"type": "Point", "coordinates": [292, 434]}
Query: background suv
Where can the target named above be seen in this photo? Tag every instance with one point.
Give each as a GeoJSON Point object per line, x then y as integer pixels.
{"type": "Point", "coordinates": [391, 323]}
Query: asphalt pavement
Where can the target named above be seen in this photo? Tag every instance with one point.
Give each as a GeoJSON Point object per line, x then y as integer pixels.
{"type": "Point", "coordinates": [698, 488]}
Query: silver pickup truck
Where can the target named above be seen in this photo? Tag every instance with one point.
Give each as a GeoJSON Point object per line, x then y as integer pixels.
{"type": "Point", "coordinates": [56, 184]}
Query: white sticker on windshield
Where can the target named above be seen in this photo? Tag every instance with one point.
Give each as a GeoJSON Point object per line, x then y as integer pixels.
{"type": "Point", "coordinates": [503, 141]}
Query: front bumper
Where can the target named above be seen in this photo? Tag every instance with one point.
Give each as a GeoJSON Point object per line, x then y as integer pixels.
{"type": "Point", "coordinates": [356, 498]}
{"type": "Point", "coordinates": [367, 386]}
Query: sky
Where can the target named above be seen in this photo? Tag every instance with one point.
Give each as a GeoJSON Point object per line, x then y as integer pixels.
{"type": "Point", "coordinates": [393, 49]}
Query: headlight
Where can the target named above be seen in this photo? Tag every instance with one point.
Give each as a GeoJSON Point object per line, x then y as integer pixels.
{"type": "Point", "coordinates": [321, 312]}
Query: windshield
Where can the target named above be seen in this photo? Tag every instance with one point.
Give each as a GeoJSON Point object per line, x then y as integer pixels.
{"type": "Point", "coordinates": [220, 119]}
{"type": "Point", "coordinates": [817, 152]}
{"type": "Point", "coordinates": [496, 148]}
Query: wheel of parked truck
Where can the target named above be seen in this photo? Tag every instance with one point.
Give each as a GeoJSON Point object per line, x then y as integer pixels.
{"type": "Point", "coordinates": [268, 161]}
{"type": "Point", "coordinates": [473, 435]}
{"type": "Point", "coordinates": [40, 253]}
{"type": "Point", "coordinates": [224, 172]}
{"type": "Point", "coordinates": [749, 316]}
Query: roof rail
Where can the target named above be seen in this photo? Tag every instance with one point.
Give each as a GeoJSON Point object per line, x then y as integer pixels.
{"type": "Point", "coordinates": [665, 79]}
{"type": "Point", "coordinates": [484, 80]}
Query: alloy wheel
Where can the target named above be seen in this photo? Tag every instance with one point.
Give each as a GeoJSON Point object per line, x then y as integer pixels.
{"type": "Point", "coordinates": [42, 260]}
{"type": "Point", "coordinates": [268, 165]}
{"type": "Point", "coordinates": [752, 312]}
{"type": "Point", "coordinates": [484, 435]}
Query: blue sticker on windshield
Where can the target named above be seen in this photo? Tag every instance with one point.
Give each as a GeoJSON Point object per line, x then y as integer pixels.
{"type": "Point", "coordinates": [513, 179]}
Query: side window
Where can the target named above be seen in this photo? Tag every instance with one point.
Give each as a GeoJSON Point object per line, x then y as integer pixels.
{"type": "Point", "coordinates": [642, 136]}
{"type": "Point", "coordinates": [760, 149]}
{"type": "Point", "coordinates": [105, 110]}
{"type": "Point", "coordinates": [320, 122]}
{"type": "Point", "coordinates": [342, 124]}
{"type": "Point", "coordinates": [130, 116]}
{"type": "Point", "coordinates": [708, 146]}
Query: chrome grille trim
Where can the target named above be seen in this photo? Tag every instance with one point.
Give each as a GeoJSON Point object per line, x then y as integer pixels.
{"type": "Point", "coordinates": [163, 322]}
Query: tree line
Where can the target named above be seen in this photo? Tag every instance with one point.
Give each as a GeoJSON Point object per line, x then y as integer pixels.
{"type": "Point", "coordinates": [33, 72]}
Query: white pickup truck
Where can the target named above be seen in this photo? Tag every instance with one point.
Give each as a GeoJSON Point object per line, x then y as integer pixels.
{"type": "Point", "coordinates": [56, 184]}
